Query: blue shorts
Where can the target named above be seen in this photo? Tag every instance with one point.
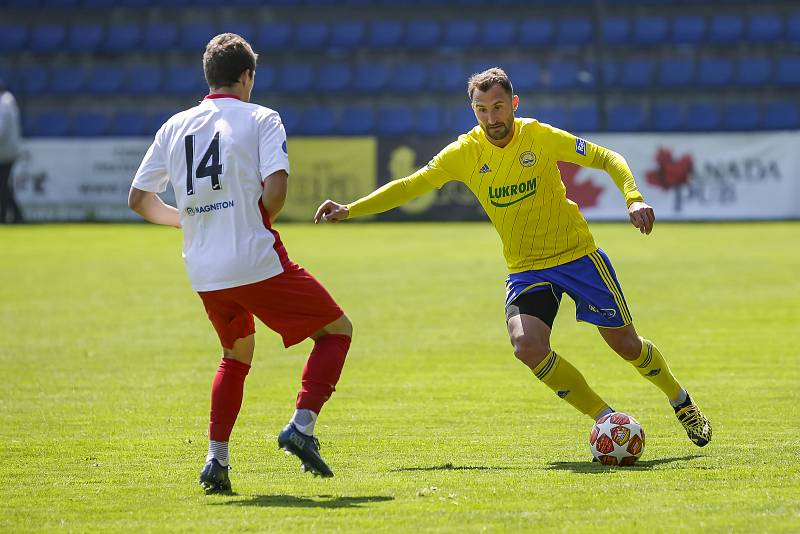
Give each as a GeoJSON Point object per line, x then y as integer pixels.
{"type": "Point", "coordinates": [590, 281]}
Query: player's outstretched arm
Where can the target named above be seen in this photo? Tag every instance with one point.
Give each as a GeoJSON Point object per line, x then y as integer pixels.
{"type": "Point", "coordinates": [150, 206]}
{"type": "Point", "coordinates": [384, 198]}
{"type": "Point", "coordinates": [642, 216]}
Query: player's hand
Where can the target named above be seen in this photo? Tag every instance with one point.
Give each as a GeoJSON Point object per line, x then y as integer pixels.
{"type": "Point", "coordinates": [642, 216]}
{"type": "Point", "coordinates": [331, 211]}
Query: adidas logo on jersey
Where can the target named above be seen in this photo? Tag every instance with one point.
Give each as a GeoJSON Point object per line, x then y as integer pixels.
{"type": "Point", "coordinates": [485, 169]}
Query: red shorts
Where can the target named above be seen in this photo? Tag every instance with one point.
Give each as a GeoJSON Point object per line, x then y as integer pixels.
{"type": "Point", "coordinates": [293, 304]}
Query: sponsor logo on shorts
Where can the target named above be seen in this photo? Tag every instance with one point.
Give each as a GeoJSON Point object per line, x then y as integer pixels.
{"type": "Point", "coordinates": [191, 211]}
{"type": "Point", "coordinates": [608, 313]}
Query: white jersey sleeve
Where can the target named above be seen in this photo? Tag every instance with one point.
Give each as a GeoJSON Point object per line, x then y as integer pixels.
{"type": "Point", "coordinates": [152, 175]}
{"type": "Point", "coordinates": [273, 155]}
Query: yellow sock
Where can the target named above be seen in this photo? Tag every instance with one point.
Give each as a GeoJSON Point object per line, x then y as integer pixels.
{"type": "Point", "coordinates": [568, 383]}
{"type": "Point", "coordinates": [652, 366]}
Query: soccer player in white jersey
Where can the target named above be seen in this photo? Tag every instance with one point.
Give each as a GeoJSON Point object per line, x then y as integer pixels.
{"type": "Point", "coordinates": [228, 164]}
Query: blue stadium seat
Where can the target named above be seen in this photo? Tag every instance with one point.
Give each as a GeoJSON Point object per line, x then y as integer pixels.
{"type": "Point", "coordinates": [616, 30]}
{"type": "Point", "coordinates": [714, 72]}
{"type": "Point", "coordinates": [781, 116]}
{"type": "Point", "coordinates": [122, 38]}
{"type": "Point", "coordinates": [90, 124]}
{"type": "Point", "coordinates": [128, 124]}
{"type": "Point", "coordinates": [13, 37]}
{"type": "Point", "coordinates": [626, 118]}
{"type": "Point", "coordinates": [50, 124]}
{"type": "Point", "coordinates": [295, 77]}
{"type": "Point", "coordinates": [703, 117]}
{"type": "Point", "coordinates": [408, 76]}
{"type": "Point", "coordinates": [394, 120]}
{"type": "Point", "coordinates": [184, 81]}
{"type": "Point", "coordinates": [460, 33]}
{"type": "Point", "coordinates": [787, 72]}
{"type": "Point", "coordinates": [793, 28]}
{"type": "Point", "coordinates": [726, 29]}
{"type": "Point", "coordinates": [318, 120]}
{"type": "Point", "coordinates": [311, 35]}
{"type": "Point", "coordinates": [564, 75]}
{"type": "Point", "coordinates": [155, 120]}
{"type": "Point", "coordinates": [423, 34]}
{"type": "Point", "coordinates": [742, 116]}
{"type": "Point", "coordinates": [143, 80]}
{"type": "Point", "coordinates": [450, 76]}
{"type": "Point", "coordinates": [688, 30]}
{"type": "Point", "coordinates": [291, 119]}
{"type": "Point", "coordinates": [753, 71]}
{"type": "Point", "coordinates": [348, 34]}
{"type": "Point", "coordinates": [48, 38]}
{"type": "Point", "coordinates": [85, 38]}
{"type": "Point", "coordinates": [676, 73]}
{"type": "Point", "coordinates": [333, 77]}
{"type": "Point", "coordinates": [524, 75]}
{"type": "Point", "coordinates": [371, 77]}
{"type": "Point", "coordinates": [650, 30]}
{"type": "Point", "coordinates": [574, 31]}
{"type": "Point", "coordinates": [273, 36]}
{"type": "Point", "coordinates": [637, 73]}
{"type": "Point", "coordinates": [105, 81]}
{"type": "Point", "coordinates": [385, 34]}
{"type": "Point", "coordinates": [460, 119]}
{"type": "Point", "coordinates": [357, 120]}
{"type": "Point", "coordinates": [265, 78]}
{"type": "Point", "coordinates": [241, 28]}
{"type": "Point", "coordinates": [552, 115]}
{"type": "Point", "coordinates": [429, 120]}
{"type": "Point", "coordinates": [584, 118]}
{"type": "Point", "coordinates": [66, 81]}
{"type": "Point", "coordinates": [195, 37]}
{"type": "Point", "coordinates": [764, 29]}
{"type": "Point", "coordinates": [34, 80]}
{"type": "Point", "coordinates": [498, 33]}
{"type": "Point", "coordinates": [160, 37]}
{"type": "Point", "coordinates": [667, 117]}
{"type": "Point", "coordinates": [536, 32]}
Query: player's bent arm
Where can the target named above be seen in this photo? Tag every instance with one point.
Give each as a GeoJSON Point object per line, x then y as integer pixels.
{"type": "Point", "coordinates": [150, 206]}
{"type": "Point", "coordinates": [616, 167]}
{"type": "Point", "coordinates": [276, 186]}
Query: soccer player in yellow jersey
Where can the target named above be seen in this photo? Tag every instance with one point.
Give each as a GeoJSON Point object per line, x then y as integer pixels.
{"type": "Point", "coordinates": [510, 165]}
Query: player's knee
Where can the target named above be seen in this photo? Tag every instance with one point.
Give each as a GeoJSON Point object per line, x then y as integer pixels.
{"type": "Point", "coordinates": [629, 347]}
{"type": "Point", "coordinates": [342, 326]}
{"type": "Point", "coordinates": [530, 350]}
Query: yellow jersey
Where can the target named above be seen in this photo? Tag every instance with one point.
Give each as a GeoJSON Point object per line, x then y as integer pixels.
{"type": "Point", "coordinates": [519, 187]}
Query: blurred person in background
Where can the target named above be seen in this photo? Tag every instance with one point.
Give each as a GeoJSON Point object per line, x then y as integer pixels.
{"type": "Point", "coordinates": [9, 151]}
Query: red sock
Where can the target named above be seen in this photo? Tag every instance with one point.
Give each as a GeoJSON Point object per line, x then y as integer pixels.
{"type": "Point", "coordinates": [226, 398]}
{"type": "Point", "coordinates": [322, 371]}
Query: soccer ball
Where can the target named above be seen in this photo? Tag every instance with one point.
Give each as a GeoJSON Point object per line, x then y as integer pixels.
{"type": "Point", "coordinates": [617, 439]}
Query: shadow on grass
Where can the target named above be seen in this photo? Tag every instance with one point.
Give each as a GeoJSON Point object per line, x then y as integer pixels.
{"type": "Point", "coordinates": [320, 501]}
{"type": "Point", "coordinates": [450, 467]}
{"type": "Point", "coordinates": [594, 468]}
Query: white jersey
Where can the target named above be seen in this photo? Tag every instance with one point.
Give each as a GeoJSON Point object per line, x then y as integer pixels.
{"type": "Point", "coordinates": [216, 156]}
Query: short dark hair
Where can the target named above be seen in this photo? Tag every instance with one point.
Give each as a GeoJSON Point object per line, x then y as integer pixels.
{"type": "Point", "coordinates": [488, 78]}
{"type": "Point", "coordinates": [226, 57]}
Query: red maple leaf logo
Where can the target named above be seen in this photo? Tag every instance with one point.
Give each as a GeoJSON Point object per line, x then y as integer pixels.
{"type": "Point", "coordinates": [584, 194]}
{"type": "Point", "coordinates": [670, 173]}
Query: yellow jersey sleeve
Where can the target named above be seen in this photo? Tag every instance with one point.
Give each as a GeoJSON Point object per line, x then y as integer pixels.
{"type": "Point", "coordinates": [573, 149]}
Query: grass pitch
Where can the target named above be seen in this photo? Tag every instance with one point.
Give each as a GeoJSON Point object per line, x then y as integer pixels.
{"type": "Point", "coordinates": [107, 360]}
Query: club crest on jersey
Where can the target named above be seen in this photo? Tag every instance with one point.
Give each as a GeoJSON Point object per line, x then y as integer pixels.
{"type": "Point", "coordinates": [503, 196]}
{"type": "Point", "coordinates": [527, 159]}
{"type": "Point", "coordinates": [485, 169]}
{"type": "Point", "coordinates": [580, 146]}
